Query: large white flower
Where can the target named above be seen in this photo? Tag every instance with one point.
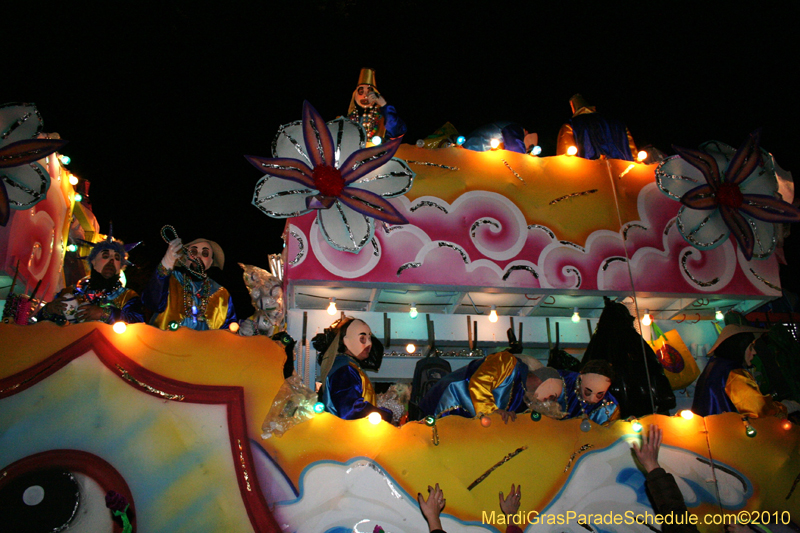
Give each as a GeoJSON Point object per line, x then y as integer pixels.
{"type": "Point", "coordinates": [326, 167]}
{"type": "Point", "coordinates": [741, 199]}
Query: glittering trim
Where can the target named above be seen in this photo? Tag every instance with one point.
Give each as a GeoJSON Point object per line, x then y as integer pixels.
{"type": "Point", "coordinates": [284, 193]}
{"type": "Point", "coordinates": [765, 253]}
{"type": "Point", "coordinates": [427, 164]}
{"type": "Point", "coordinates": [576, 246]}
{"type": "Point", "coordinates": [575, 454]}
{"type": "Point", "coordinates": [36, 195]}
{"type": "Point", "coordinates": [610, 260]}
{"type": "Point", "coordinates": [406, 266]}
{"type": "Point", "coordinates": [464, 256]}
{"type": "Point", "coordinates": [435, 435]}
{"type": "Point", "coordinates": [629, 226]}
{"type": "Point", "coordinates": [282, 131]}
{"type": "Point", "coordinates": [301, 248]}
{"type": "Point", "coordinates": [481, 222]}
{"type": "Point", "coordinates": [669, 226]}
{"type": "Point", "coordinates": [376, 251]}
{"type": "Point", "coordinates": [167, 396]}
{"type": "Point", "coordinates": [544, 229]}
{"type": "Point", "coordinates": [690, 236]}
{"type": "Point", "coordinates": [369, 159]}
{"type": "Point", "coordinates": [573, 195]}
{"type": "Point", "coordinates": [258, 201]}
{"type": "Point", "coordinates": [14, 125]}
{"type": "Point", "coordinates": [242, 463]}
{"type": "Point", "coordinates": [570, 270]}
{"type": "Point", "coordinates": [520, 267]}
{"type": "Point", "coordinates": [365, 202]}
{"type": "Point", "coordinates": [24, 381]}
{"type": "Point", "coordinates": [660, 175]}
{"type": "Point", "coordinates": [625, 172]}
{"type": "Point", "coordinates": [513, 171]}
{"type": "Point", "coordinates": [759, 278]}
{"type": "Point", "coordinates": [699, 283]}
{"type": "Point", "coordinates": [358, 246]}
{"type": "Point", "coordinates": [388, 229]}
{"type": "Point", "coordinates": [497, 465]}
{"type": "Point", "coordinates": [428, 203]}
{"type": "Point", "coordinates": [404, 190]}
{"type": "Point", "coordinates": [317, 137]}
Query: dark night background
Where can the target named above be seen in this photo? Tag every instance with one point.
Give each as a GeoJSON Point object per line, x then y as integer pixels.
{"type": "Point", "coordinates": [160, 101]}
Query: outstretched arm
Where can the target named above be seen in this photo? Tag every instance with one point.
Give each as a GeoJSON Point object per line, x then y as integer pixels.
{"type": "Point", "coordinates": [432, 507]}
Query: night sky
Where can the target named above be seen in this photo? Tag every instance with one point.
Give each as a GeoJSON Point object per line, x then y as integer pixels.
{"type": "Point", "coordinates": [161, 101]}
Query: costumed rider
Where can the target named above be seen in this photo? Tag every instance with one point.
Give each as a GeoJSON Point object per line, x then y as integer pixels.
{"type": "Point", "coordinates": [499, 383]}
{"type": "Point", "coordinates": [180, 291]}
{"type": "Point", "coordinates": [348, 348]}
{"type": "Point", "coordinates": [586, 395]}
{"type": "Point", "coordinates": [369, 109]}
{"type": "Point", "coordinates": [593, 134]}
{"type": "Point", "coordinates": [100, 296]}
{"type": "Point", "coordinates": [726, 385]}
{"type": "Point", "coordinates": [510, 135]}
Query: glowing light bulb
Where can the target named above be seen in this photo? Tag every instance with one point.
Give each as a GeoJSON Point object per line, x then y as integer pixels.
{"type": "Point", "coordinates": [65, 160]}
{"type": "Point", "coordinates": [486, 421]}
{"type": "Point", "coordinates": [641, 156]}
{"type": "Point", "coordinates": [718, 314]}
{"type": "Point", "coordinates": [374, 418]}
{"type": "Point", "coordinates": [536, 150]}
{"type": "Point", "coordinates": [493, 314]}
{"type": "Point", "coordinates": [376, 140]}
{"type": "Point", "coordinates": [572, 150]}
{"type": "Point", "coordinates": [410, 348]}
{"type": "Point", "coordinates": [120, 327]}
{"type": "Point", "coordinates": [536, 416]}
{"type": "Point", "coordinates": [687, 414]}
{"type": "Point", "coordinates": [460, 140]}
{"type": "Point", "coordinates": [575, 316]}
{"type": "Point", "coordinates": [234, 327]}
{"type": "Point", "coordinates": [319, 407]}
{"type": "Point", "coordinates": [413, 311]}
{"type": "Point", "coordinates": [586, 425]}
{"type": "Point", "coordinates": [332, 307]}
{"type": "Point", "coordinates": [173, 326]}
{"type": "Point", "coordinates": [429, 421]}
{"type": "Point", "coordinates": [78, 197]}
{"type": "Point", "coordinates": [646, 319]}
{"type": "Point", "coordinates": [750, 431]}
{"type": "Point", "coordinates": [73, 179]}
{"type": "Point", "coordinates": [72, 247]}
{"type": "Point", "coordinates": [494, 143]}
{"type": "Point", "coordinates": [786, 425]}
{"type": "Point", "coordinates": [636, 426]}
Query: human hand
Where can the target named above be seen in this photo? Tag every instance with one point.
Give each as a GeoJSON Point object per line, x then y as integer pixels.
{"type": "Point", "coordinates": [432, 507]}
{"type": "Point", "coordinates": [510, 505]}
{"type": "Point", "coordinates": [89, 312]}
{"type": "Point", "coordinates": [648, 453]}
{"type": "Point", "coordinates": [173, 254]}
{"type": "Point", "coordinates": [56, 307]}
{"type": "Point", "coordinates": [507, 415]}
{"type": "Point", "coordinates": [375, 98]}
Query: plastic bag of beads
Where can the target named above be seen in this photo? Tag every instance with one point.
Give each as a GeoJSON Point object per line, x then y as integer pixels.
{"type": "Point", "coordinates": [293, 404]}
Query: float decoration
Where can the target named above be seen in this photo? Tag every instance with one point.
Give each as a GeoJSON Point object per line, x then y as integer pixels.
{"type": "Point", "coordinates": [23, 182]}
{"type": "Point", "coordinates": [741, 199]}
{"type": "Point", "coordinates": [346, 183]}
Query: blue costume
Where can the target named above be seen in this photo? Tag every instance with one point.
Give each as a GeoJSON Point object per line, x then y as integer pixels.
{"type": "Point", "coordinates": [724, 386]}
{"type": "Point", "coordinates": [120, 303]}
{"type": "Point", "coordinates": [348, 393]}
{"type": "Point", "coordinates": [596, 135]}
{"type": "Point", "coordinates": [602, 412]}
{"type": "Point", "coordinates": [512, 136]}
{"type": "Point", "coordinates": [495, 382]}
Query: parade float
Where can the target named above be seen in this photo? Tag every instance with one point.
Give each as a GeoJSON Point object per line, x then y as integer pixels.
{"type": "Point", "coordinates": [173, 421]}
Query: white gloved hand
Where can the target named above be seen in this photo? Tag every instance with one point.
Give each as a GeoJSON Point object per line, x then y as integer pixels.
{"type": "Point", "coordinates": [173, 254]}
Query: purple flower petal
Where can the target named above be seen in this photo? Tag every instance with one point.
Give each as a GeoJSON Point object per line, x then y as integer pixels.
{"type": "Point", "coordinates": [371, 205]}
{"type": "Point", "coordinates": [5, 208]}
{"type": "Point", "coordinates": [740, 229]}
{"type": "Point", "coordinates": [362, 162]}
{"type": "Point", "coordinates": [703, 162]}
{"type": "Point", "coordinates": [28, 151]}
{"type": "Point", "coordinates": [286, 168]}
{"type": "Point", "coordinates": [701, 197]}
{"type": "Point", "coordinates": [319, 142]}
{"type": "Point", "coordinates": [746, 159]}
{"type": "Point", "coordinates": [769, 209]}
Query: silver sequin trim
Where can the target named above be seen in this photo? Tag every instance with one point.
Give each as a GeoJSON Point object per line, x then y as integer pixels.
{"type": "Point", "coordinates": [14, 125]}
{"type": "Point", "coordinates": [406, 266]}
{"type": "Point", "coordinates": [36, 195]}
{"type": "Point", "coordinates": [458, 249]}
{"type": "Point", "coordinates": [428, 203]}
{"type": "Point", "coordinates": [629, 226]}
{"type": "Point", "coordinates": [577, 274]}
{"type": "Point", "coordinates": [258, 201]}
{"type": "Point", "coordinates": [520, 267]}
{"type": "Point", "coordinates": [167, 396]}
{"type": "Point", "coordinates": [376, 251]}
{"type": "Point", "coordinates": [481, 222]}
{"type": "Point", "coordinates": [544, 229]}
{"type": "Point", "coordinates": [318, 140]}
{"type": "Point", "coordinates": [573, 195]}
{"type": "Point", "coordinates": [690, 236]}
{"type": "Point", "coordinates": [610, 260]}
{"type": "Point", "coordinates": [300, 248]}
{"type": "Point", "coordinates": [427, 164]}
{"type": "Point", "coordinates": [660, 175]}
{"type": "Point", "coordinates": [669, 226]}
{"type": "Point", "coordinates": [764, 281]}
{"type": "Point", "coordinates": [577, 247]}
{"type": "Point", "coordinates": [513, 171]}
{"type": "Point", "coordinates": [574, 455]}
{"type": "Point", "coordinates": [282, 131]}
{"type": "Point", "coordinates": [698, 282]}
{"type": "Point", "coordinates": [388, 229]}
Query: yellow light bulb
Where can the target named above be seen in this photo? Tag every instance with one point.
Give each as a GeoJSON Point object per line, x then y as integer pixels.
{"type": "Point", "coordinates": [234, 327]}
{"type": "Point", "coordinates": [374, 418]}
{"type": "Point", "coordinates": [332, 307]}
{"type": "Point", "coordinates": [641, 156]}
{"type": "Point", "coordinates": [646, 319]}
{"type": "Point", "coordinates": [572, 150]}
{"type": "Point", "coordinates": [687, 414]}
{"type": "Point", "coordinates": [575, 316]}
{"type": "Point", "coordinates": [493, 314]}
{"type": "Point", "coordinates": [73, 179]}
{"type": "Point", "coordinates": [410, 348]}
{"type": "Point", "coordinates": [120, 327]}
{"type": "Point", "coordinates": [494, 143]}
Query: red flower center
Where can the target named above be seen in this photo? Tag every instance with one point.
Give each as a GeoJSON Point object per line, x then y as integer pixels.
{"type": "Point", "coordinates": [730, 195]}
{"type": "Point", "coordinates": [328, 180]}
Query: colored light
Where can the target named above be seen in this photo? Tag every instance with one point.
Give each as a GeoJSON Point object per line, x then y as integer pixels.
{"type": "Point", "coordinates": [429, 421]}
{"type": "Point", "coordinates": [413, 311]}
{"type": "Point", "coordinates": [536, 150]}
{"type": "Point", "coordinates": [173, 326]}
{"type": "Point", "coordinates": [410, 348]}
{"type": "Point", "coordinates": [494, 143]}
{"type": "Point", "coordinates": [636, 426]}
{"type": "Point", "coordinates": [377, 140]}
{"type": "Point", "coordinates": [194, 310]}
{"type": "Point", "coordinates": [65, 160]}
{"type": "Point", "coordinates": [78, 197]}
{"type": "Point", "coordinates": [536, 416]}
{"type": "Point", "coordinates": [750, 431]}
{"type": "Point", "coordinates": [460, 140]}
{"type": "Point", "coordinates": [687, 414]}
{"type": "Point", "coordinates": [718, 314]}
{"type": "Point", "coordinates": [234, 327]}
{"type": "Point", "coordinates": [646, 320]}
{"type": "Point", "coordinates": [73, 179]}
{"type": "Point", "coordinates": [786, 425]}
{"type": "Point", "coordinates": [572, 150]}
{"type": "Point", "coordinates": [120, 327]}
{"type": "Point", "coordinates": [493, 314]}
{"type": "Point", "coordinates": [641, 156]}
{"type": "Point", "coordinates": [575, 316]}
{"type": "Point", "coordinates": [486, 421]}
{"type": "Point", "coordinates": [319, 407]}
{"type": "Point", "coordinates": [72, 247]}
{"type": "Point", "coordinates": [332, 307]}
{"type": "Point", "coordinates": [586, 425]}
{"type": "Point", "coordinates": [374, 418]}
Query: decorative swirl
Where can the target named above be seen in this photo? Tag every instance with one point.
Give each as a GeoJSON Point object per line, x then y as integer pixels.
{"type": "Point", "coordinates": [698, 282]}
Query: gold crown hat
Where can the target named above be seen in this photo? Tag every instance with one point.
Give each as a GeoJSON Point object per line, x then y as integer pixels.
{"type": "Point", "coordinates": [218, 259]}
{"type": "Point", "coordinates": [578, 102]}
{"type": "Point", "coordinates": [367, 77]}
